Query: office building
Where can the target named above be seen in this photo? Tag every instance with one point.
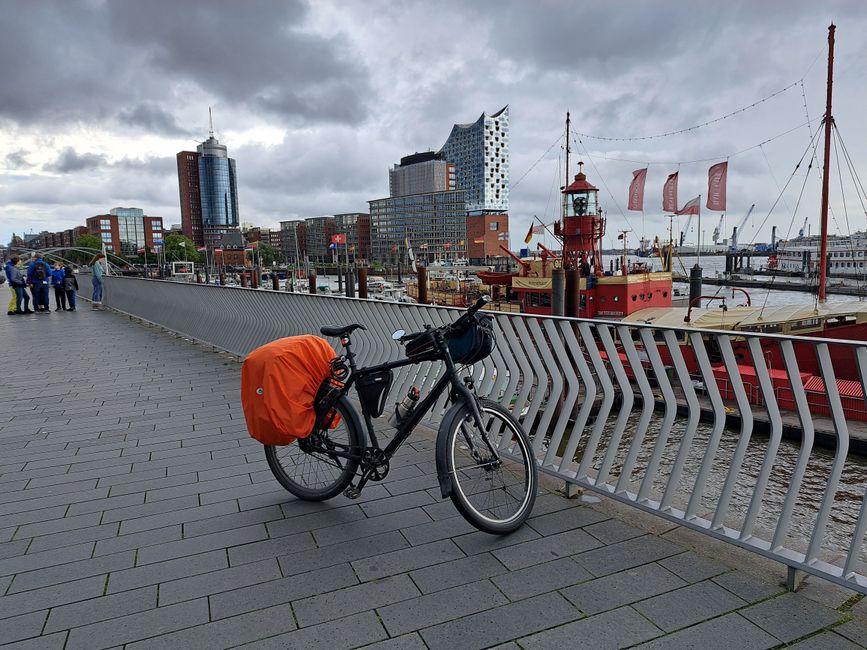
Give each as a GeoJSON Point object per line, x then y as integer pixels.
{"type": "Point", "coordinates": [292, 241]}
{"type": "Point", "coordinates": [356, 227]}
{"type": "Point", "coordinates": [420, 173]}
{"type": "Point", "coordinates": [208, 187]}
{"type": "Point", "coordinates": [317, 236]}
{"type": "Point", "coordinates": [126, 230]}
{"type": "Point", "coordinates": [480, 153]}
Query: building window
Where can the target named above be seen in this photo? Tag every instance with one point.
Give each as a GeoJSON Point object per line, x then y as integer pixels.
{"type": "Point", "coordinates": [495, 225]}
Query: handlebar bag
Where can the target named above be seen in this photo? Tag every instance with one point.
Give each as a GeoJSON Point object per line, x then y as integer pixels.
{"type": "Point", "coordinates": [472, 343]}
{"type": "Point", "coordinates": [279, 383]}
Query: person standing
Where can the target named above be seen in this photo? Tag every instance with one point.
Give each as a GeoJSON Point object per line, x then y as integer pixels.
{"type": "Point", "coordinates": [13, 307]}
{"type": "Point", "coordinates": [98, 273]}
{"type": "Point", "coordinates": [57, 278]}
{"type": "Point", "coordinates": [18, 283]}
{"type": "Point", "coordinates": [39, 278]}
{"type": "Point", "coordinates": [70, 286]}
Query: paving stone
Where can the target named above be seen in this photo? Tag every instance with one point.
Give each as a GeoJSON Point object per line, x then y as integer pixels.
{"type": "Point", "coordinates": [14, 549]}
{"type": "Point", "coordinates": [72, 571]}
{"type": "Point", "coordinates": [500, 624]}
{"type": "Point", "coordinates": [216, 581]}
{"type": "Point", "coordinates": [152, 574]}
{"type": "Point", "coordinates": [350, 632]}
{"type": "Point", "coordinates": [106, 505]}
{"type": "Point", "coordinates": [31, 516]}
{"type": "Point", "coordinates": [50, 642]}
{"type": "Point", "coordinates": [133, 627]}
{"type": "Point", "coordinates": [424, 611]}
{"type": "Point", "coordinates": [628, 554]}
{"type": "Point", "coordinates": [233, 520]}
{"type": "Point", "coordinates": [367, 527]}
{"type": "Point", "coordinates": [693, 567]}
{"type": "Point", "coordinates": [540, 578]}
{"type": "Point", "coordinates": [479, 542]}
{"type": "Point", "coordinates": [395, 504]}
{"type": "Point", "coordinates": [854, 631]}
{"type": "Point", "coordinates": [177, 517]}
{"type": "Point", "coordinates": [457, 572]}
{"type": "Point", "coordinates": [317, 558]}
{"type": "Point", "coordinates": [563, 520]}
{"type": "Point", "coordinates": [269, 548]}
{"type": "Point", "coordinates": [790, 616]}
{"type": "Point", "coordinates": [266, 594]}
{"type": "Point", "coordinates": [406, 642]}
{"type": "Point", "coordinates": [432, 531]}
{"type": "Point", "coordinates": [546, 549]}
{"type": "Point", "coordinates": [102, 608]}
{"type": "Point", "coordinates": [618, 589]}
{"type": "Point", "coordinates": [749, 588]}
{"type": "Point", "coordinates": [688, 605]}
{"type": "Point", "coordinates": [225, 633]}
{"type": "Point", "coordinates": [316, 520]}
{"type": "Point", "coordinates": [825, 641]}
{"type": "Point", "coordinates": [614, 629]}
{"type": "Point", "coordinates": [612, 531]}
{"type": "Point", "coordinates": [141, 509]}
{"type": "Point", "coordinates": [52, 526]}
{"type": "Point", "coordinates": [38, 599]}
{"type": "Point", "coordinates": [412, 484]}
{"type": "Point", "coordinates": [200, 544]}
{"type": "Point", "coordinates": [33, 561]}
{"type": "Point", "coordinates": [723, 633]}
{"type": "Point", "coordinates": [404, 560]}
{"type": "Point", "coordinates": [69, 538]}
{"type": "Point", "coordinates": [370, 595]}
{"type": "Point", "coordinates": [138, 540]}
{"type": "Point", "coordinates": [25, 626]}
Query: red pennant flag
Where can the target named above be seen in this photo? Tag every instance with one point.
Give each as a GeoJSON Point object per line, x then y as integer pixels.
{"type": "Point", "coordinates": [716, 186]}
{"type": "Point", "coordinates": [691, 207]}
{"type": "Point", "coordinates": [669, 194]}
{"type": "Point", "coordinates": [636, 190]}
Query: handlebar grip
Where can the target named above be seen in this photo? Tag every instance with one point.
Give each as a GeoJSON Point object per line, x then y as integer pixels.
{"type": "Point", "coordinates": [481, 302]}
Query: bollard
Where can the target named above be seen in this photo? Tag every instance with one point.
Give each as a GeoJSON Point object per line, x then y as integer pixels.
{"type": "Point", "coordinates": [275, 282]}
{"type": "Point", "coordinates": [558, 292]}
{"type": "Point", "coordinates": [570, 303]}
{"type": "Point", "coordinates": [350, 284]}
{"type": "Point", "coordinates": [311, 283]}
{"type": "Point", "coordinates": [695, 286]}
{"type": "Point", "coordinates": [198, 277]}
{"type": "Point", "coordinates": [222, 279]}
{"type": "Point", "coordinates": [339, 280]}
{"type": "Point", "coordinates": [243, 279]}
{"type": "Point", "coordinates": [422, 285]}
{"type": "Point", "coordinates": [362, 283]}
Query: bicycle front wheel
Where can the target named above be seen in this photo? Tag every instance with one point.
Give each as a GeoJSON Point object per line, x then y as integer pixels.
{"type": "Point", "coordinates": [494, 495]}
{"type": "Point", "coordinates": [319, 475]}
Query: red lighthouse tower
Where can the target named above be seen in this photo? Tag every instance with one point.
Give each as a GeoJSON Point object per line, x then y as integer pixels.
{"type": "Point", "coordinates": [582, 226]}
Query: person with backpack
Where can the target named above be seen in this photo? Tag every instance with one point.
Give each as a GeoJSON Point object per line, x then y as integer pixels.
{"type": "Point", "coordinates": [70, 286]}
{"type": "Point", "coordinates": [57, 278]}
{"type": "Point", "coordinates": [39, 277]}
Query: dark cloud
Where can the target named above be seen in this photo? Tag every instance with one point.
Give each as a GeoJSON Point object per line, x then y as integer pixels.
{"type": "Point", "coordinates": [18, 159]}
{"type": "Point", "coordinates": [69, 160]}
{"type": "Point", "coordinates": [152, 119]}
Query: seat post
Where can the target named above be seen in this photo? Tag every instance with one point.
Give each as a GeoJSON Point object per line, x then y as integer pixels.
{"type": "Point", "coordinates": [350, 355]}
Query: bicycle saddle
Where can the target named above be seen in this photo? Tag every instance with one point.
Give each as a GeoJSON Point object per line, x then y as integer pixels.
{"type": "Point", "coordinates": [336, 330]}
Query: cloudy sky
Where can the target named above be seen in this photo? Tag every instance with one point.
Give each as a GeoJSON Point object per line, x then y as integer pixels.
{"type": "Point", "coordinates": [317, 100]}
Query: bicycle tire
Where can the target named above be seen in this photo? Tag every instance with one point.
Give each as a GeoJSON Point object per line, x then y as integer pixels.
{"type": "Point", "coordinates": [307, 475]}
{"type": "Point", "coordinates": [482, 492]}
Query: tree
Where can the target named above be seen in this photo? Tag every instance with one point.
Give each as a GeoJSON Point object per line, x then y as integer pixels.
{"type": "Point", "coordinates": [85, 241]}
{"type": "Point", "coordinates": [266, 256]}
{"type": "Point", "coordinates": [181, 249]}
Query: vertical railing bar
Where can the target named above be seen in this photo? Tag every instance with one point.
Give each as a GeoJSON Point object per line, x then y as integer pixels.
{"type": "Point", "coordinates": [554, 335]}
{"type": "Point", "coordinates": [539, 375]}
{"type": "Point", "coordinates": [526, 369]}
{"type": "Point", "coordinates": [568, 329]}
{"type": "Point", "coordinates": [647, 405]}
{"type": "Point", "coordinates": [555, 381]}
{"type": "Point", "coordinates": [854, 554]}
{"type": "Point", "coordinates": [842, 432]}
{"type": "Point", "coordinates": [731, 366]}
{"type": "Point", "coordinates": [776, 436]}
{"type": "Point", "coordinates": [807, 439]}
{"type": "Point", "coordinates": [628, 397]}
{"type": "Point", "coordinates": [607, 398]}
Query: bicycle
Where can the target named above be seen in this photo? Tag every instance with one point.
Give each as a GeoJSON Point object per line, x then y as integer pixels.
{"type": "Point", "coordinates": [484, 459]}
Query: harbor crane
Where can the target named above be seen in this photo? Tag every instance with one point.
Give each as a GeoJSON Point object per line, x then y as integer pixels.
{"type": "Point", "coordinates": [803, 228]}
{"type": "Point", "coordinates": [733, 245]}
{"type": "Point", "coordinates": [715, 236]}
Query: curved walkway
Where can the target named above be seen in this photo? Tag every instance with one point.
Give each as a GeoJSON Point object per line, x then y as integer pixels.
{"type": "Point", "coordinates": [136, 512]}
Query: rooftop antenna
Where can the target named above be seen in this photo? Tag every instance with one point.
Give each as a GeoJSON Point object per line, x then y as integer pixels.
{"type": "Point", "coordinates": [210, 123]}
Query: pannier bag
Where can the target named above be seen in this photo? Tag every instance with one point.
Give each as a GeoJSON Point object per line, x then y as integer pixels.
{"type": "Point", "coordinates": [473, 343]}
{"type": "Point", "coordinates": [279, 383]}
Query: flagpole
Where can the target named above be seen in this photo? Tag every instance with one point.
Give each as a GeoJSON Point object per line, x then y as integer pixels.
{"type": "Point", "coordinates": [547, 229]}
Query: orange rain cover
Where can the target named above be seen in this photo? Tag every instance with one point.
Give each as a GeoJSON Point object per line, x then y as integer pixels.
{"type": "Point", "coordinates": [279, 382]}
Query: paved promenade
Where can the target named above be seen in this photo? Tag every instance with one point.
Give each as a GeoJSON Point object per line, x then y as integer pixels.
{"type": "Point", "coordinates": [135, 512]}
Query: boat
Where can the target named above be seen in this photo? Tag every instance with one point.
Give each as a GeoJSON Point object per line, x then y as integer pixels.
{"type": "Point", "coordinates": [847, 256]}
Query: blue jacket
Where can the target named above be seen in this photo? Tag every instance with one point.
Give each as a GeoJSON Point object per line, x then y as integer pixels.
{"type": "Point", "coordinates": [57, 276]}
{"type": "Point", "coordinates": [33, 266]}
{"type": "Point", "coordinates": [14, 276]}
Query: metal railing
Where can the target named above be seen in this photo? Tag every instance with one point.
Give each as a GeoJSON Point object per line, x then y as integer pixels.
{"type": "Point", "coordinates": [665, 419]}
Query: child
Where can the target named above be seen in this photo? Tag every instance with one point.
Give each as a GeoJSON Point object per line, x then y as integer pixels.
{"type": "Point", "coordinates": [57, 281]}
{"type": "Point", "coordinates": [70, 286]}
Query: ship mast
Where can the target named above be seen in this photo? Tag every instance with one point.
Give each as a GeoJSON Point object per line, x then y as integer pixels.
{"type": "Point", "coordinates": [827, 121]}
{"type": "Point", "coordinates": [566, 176]}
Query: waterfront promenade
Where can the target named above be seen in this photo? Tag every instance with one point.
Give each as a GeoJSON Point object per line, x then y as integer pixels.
{"type": "Point", "coordinates": [135, 511]}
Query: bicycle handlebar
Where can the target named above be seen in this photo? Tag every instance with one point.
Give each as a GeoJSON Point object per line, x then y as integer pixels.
{"type": "Point", "coordinates": [471, 311]}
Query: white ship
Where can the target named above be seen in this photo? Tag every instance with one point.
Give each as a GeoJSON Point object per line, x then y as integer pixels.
{"type": "Point", "coordinates": [847, 256]}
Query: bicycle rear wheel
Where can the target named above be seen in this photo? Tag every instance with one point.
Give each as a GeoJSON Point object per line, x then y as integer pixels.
{"type": "Point", "coordinates": [318, 475]}
{"type": "Point", "coordinates": [495, 496]}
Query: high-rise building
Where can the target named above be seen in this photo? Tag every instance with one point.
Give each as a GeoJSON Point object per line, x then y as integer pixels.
{"type": "Point", "coordinates": [480, 153]}
{"type": "Point", "coordinates": [126, 230]}
{"type": "Point", "coordinates": [292, 240]}
{"type": "Point", "coordinates": [208, 191]}
{"type": "Point", "coordinates": [317, 236]}
{"type": "Point", "coordinates": [356, 227]}
{"type": "Point", "coordinates": [420, 173]}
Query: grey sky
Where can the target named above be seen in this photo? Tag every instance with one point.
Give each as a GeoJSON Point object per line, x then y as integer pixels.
{"type": "Point", "coordinates": [316, 101]}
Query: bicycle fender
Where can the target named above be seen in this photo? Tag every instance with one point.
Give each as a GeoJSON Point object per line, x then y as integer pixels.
{"type": "Point", "coordinates": [458, 410]}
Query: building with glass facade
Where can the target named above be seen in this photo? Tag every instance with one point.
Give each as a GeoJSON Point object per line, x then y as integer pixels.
{"type": "Point", "coordinates": [421, 172]}
{"type": "Point", "coordinates": [356, 227]}
{"type": "Point", "coordinates": [126, 231]}
{"type": "Point", "coordinates": [292, 240]}
{"type": "Point", "coordinates": [480, 153]}
{"type": "Point", "coordinates": [208, 192]}
{"type": "Point", "coordinates": [317, 238]}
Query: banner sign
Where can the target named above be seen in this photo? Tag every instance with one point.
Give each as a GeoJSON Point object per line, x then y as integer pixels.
{"type": "Point", "coordinates": [669, 194]}
{"type": "Point", "coordinates": [636, 190]}
{"type": "Point", "coordinates": [716, 186]}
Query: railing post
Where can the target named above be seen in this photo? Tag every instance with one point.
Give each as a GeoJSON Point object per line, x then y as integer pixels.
{"type": "Point", "coordinates": [362, 282]}
{"type": "Point", "coordinates": [794, 578]}
{"type": "Point", "coordinates": [422, 285]}
{"type": "Point", "coordinates": [570, 303]}
{"type": "Point", "coordinates": [311, 283]}
{"type": "Point", "coordinates": [558, 292]}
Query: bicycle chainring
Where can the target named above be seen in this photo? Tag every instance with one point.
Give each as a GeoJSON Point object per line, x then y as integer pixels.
{"type": "Point", "coordinates": [374, 464]}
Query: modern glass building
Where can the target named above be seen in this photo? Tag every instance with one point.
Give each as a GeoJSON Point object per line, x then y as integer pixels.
{"type": "Point", "coordinates": [480, 153]}
{"type": "Point", "coordinates": [127, 231]}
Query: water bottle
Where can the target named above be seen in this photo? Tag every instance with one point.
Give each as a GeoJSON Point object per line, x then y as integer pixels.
{"type": "Point", "coordinates": [404, 407]}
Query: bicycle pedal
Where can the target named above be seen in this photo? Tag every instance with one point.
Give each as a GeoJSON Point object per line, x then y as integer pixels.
{"type": "Point", "coordinates": [352, 492]}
